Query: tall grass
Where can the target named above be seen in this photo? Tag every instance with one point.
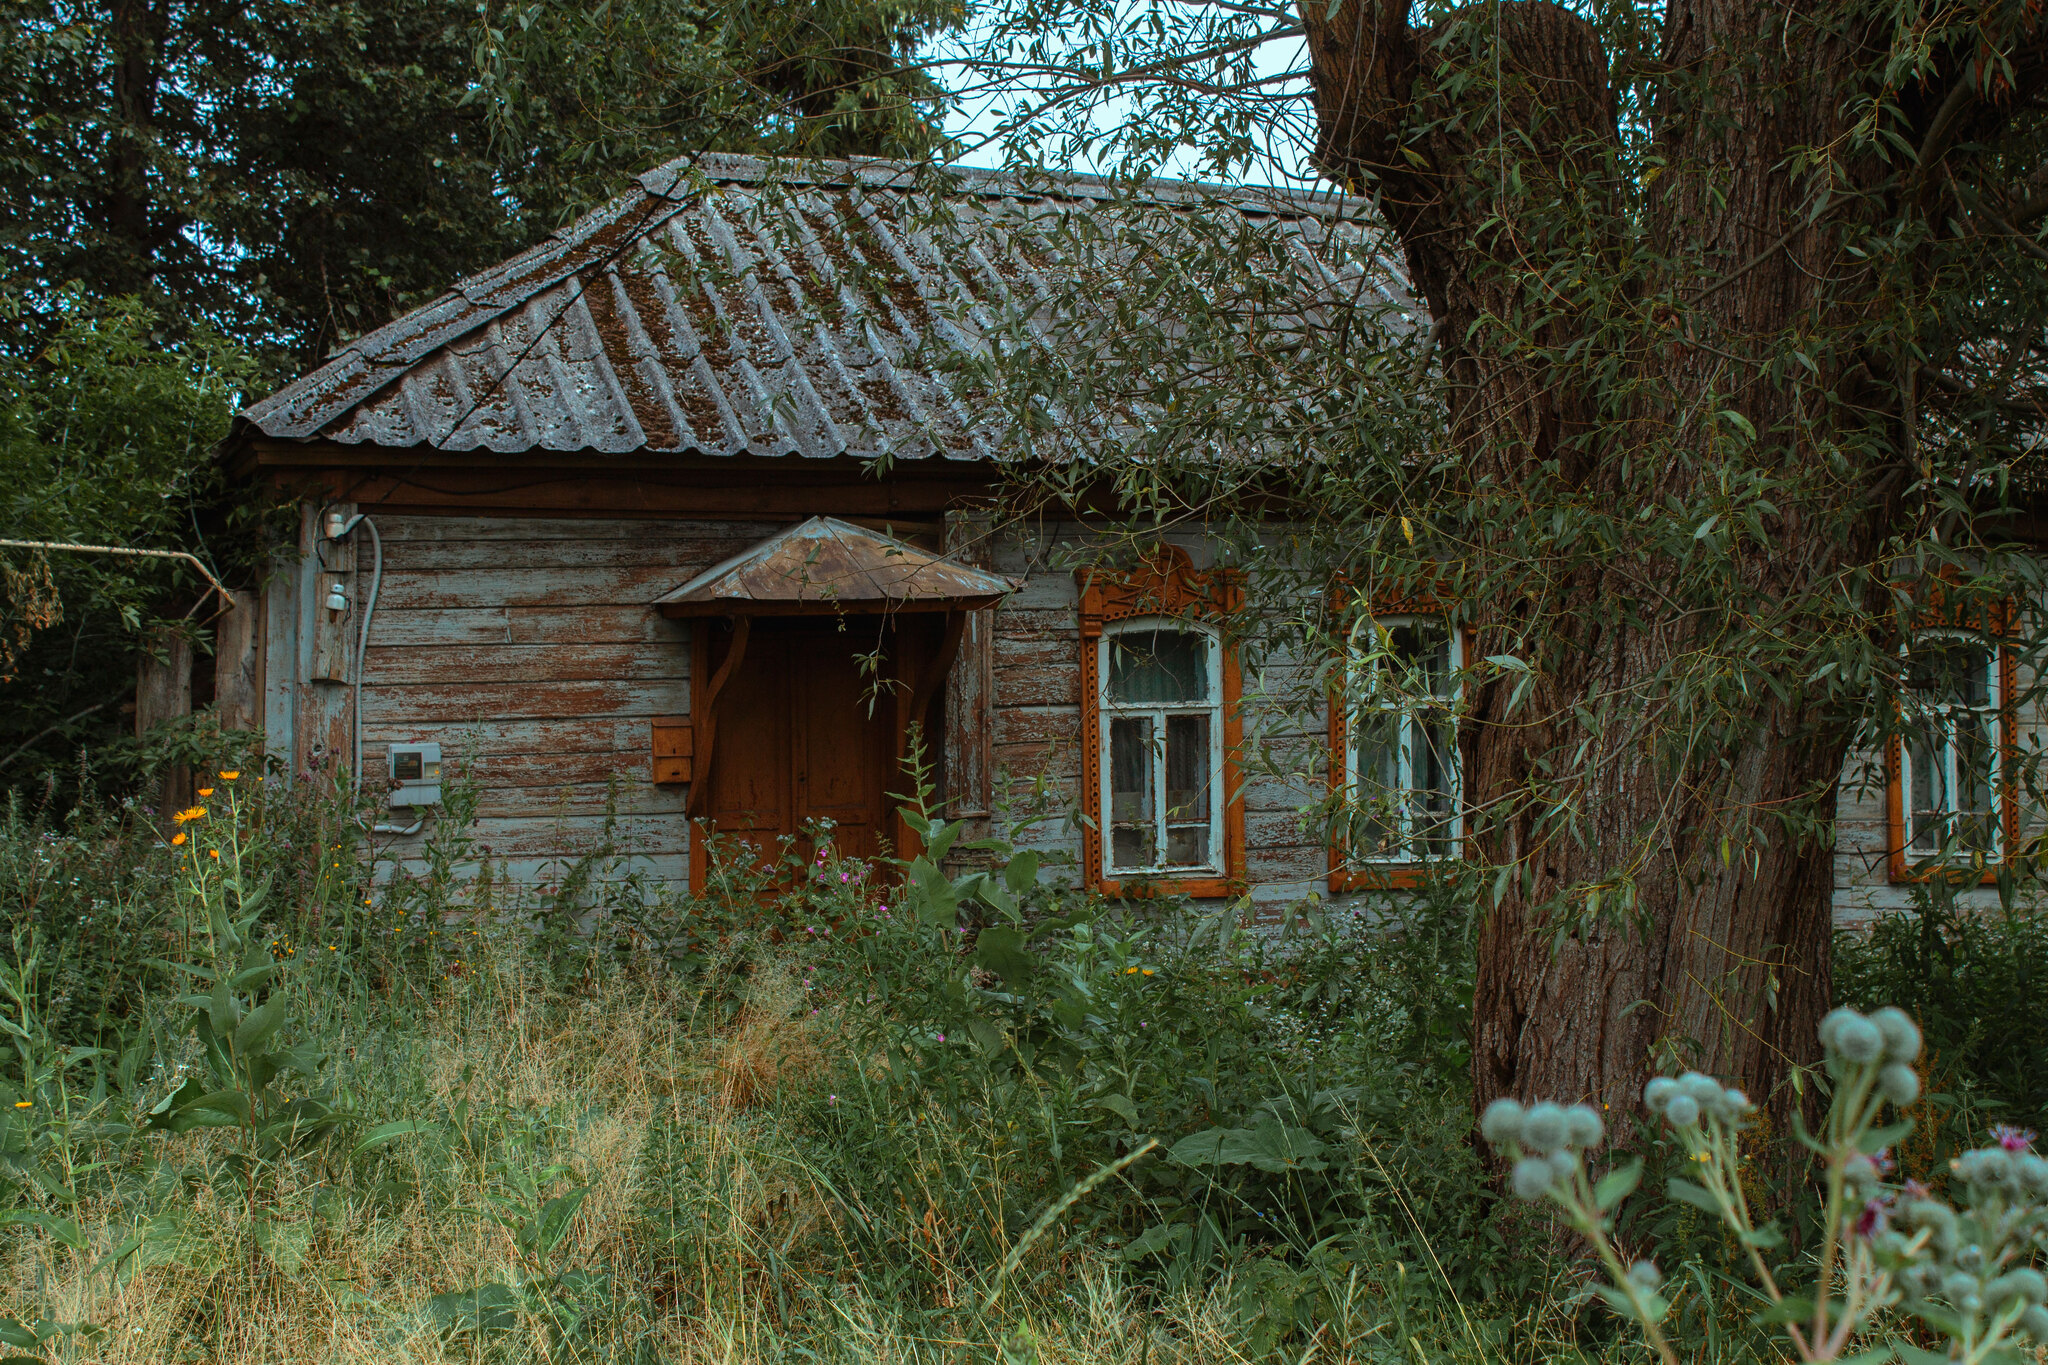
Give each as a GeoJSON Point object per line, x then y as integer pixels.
{"type": "Point", "coordinates": [837, 1124]}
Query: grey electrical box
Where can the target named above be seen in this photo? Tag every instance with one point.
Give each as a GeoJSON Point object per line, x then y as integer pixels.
{"type": "Point", "coordinates": [415, 774]}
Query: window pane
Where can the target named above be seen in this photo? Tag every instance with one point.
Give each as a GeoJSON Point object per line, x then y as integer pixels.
{"type": "Point", "coordinates": [1133, 834]}
{"type": "Point", "coordinates": [1946, 672]}
{"type": "Point", "coordinates": [1158, 666]}
{"type": "Point", "coordinates": [1414, 659]}
{"type": "Point", "coordinates": [1926, 759]}
{"type": "Point", "coordinates": [1187, 791]}
{"type": "Point", "coordinates": [1432, 803]}
{"type": "Point", "coordinates": [1375, 826]}
{"type": "Point", "coordinates": [1951, 746]}
{"type": "Point", "coordinates": [1975, 823]}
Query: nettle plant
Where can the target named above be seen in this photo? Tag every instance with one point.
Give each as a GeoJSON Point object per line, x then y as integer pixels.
{"type": "Point", "coordinates": [1887, 1250]}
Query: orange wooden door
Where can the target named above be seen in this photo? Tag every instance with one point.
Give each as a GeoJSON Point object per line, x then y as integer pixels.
{"type": "Point", "coordinates": [799, 739]}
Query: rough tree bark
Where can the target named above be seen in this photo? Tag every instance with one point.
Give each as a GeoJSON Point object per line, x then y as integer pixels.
{"type": "Point", "coordinates": [1728, 959]}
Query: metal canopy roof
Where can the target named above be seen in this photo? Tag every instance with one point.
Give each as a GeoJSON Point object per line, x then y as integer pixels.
{"type": "Point", "coordinates": [727, 305]}
{"type": "Point", "coordinates": [828, 565]}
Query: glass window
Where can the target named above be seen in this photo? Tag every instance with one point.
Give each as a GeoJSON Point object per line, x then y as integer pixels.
{"type": "Point", "coordinates": [1401, 752]}
{"type": "Point", "coordinates": [1949, 751]}
{"type": "Point", "coordinates": [1162, 729]}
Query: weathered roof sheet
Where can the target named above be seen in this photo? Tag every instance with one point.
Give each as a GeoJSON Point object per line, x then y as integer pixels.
{"type": "Point", "coordinates": [727, 305]}
{"type": "Point", "coordinates": [827, 564]}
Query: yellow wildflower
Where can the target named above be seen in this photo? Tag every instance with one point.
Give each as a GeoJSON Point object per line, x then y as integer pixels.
{"type": "Point", "coordinates": [214, 854]}
{"type": "Point", "coordinates": [230, 774]}
{"type": "Point", "coordinates": [24, 1104]}
{"type": "Point", "coordinates": [189, 814]}
{"type": "Point", "coordinates": [206, 791]}
{"type": "Point", "coordinates": [178, 838]}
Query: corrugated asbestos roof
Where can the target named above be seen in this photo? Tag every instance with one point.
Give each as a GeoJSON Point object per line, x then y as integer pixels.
{"type": "Point", "coordinates": [829, 564]}
{"type": "Point", "coordinates": [730, 306]}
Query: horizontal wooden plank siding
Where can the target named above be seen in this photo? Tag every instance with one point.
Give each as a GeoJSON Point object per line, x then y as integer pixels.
{"type": "Point", "coordinates": [529, 649]}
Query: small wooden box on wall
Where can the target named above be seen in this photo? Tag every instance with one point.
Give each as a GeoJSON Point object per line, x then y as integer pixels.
{"type": "Point", "coordinates": [673, 749]}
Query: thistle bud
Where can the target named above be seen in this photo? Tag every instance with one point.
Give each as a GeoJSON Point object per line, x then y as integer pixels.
{"type": "Point", "coordinates": [1502, 1122]}
{"type": "Point", "coordinates": [1732, 1107]}
{"type": "Point", "coordinates": [1901, 1034]}
{"type": "Point", "coordinates": [1939, 1220]}
{"type": "Point", "coordinates": [2033, 1174]}
{"type": "Point", "coordinates": [1957, 1286]}
{"type": "Point", "coordinates": [1898, 1084]}
{"type": "Point", "coordinates": [1859, 1041]}
{"type": "Point", "coordinates": [1659, 1092]}
{"type": "Point", "coordinates": [2035, 1323]}
{"type": "Point", "coordinates": [1544, 1127]}
{"type": "Point", "coordinates": [1564, 1163]}
{"type": "Point", "coordinates": [1861, 1175]}
{"type": "Point", "coordinates": [1834, 1020]}
{"type": "Point", "coordinates": [1682, 1112]}
{"type": "Point", "coordinates": [1645, 1276]}
{"type": "Point", "coordinates": [1702, 1090]}
{"type": "Point", "coordinates": [1994, 1167]}
{"type": "Point", "coordinates": [1532, 1178]}
{"type": "Point", "coordinates": [1584, 1129]}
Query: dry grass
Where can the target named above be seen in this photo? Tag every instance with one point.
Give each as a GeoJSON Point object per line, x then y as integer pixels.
{"type": "Point", "coordinates": [773, 1041]}
{"type": "Point", "coordinates": [337, 1259]}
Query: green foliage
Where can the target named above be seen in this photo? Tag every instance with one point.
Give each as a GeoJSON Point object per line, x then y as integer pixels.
{"type": "Point", "coordinates": [1965, 1271]}
{"type": "Point", "coordinates": [923, 1091]}
{"type": "Point", "coordinates": [105, 432]}
{"type": "Point", "coordinates": [245, 1070]}
{"type": "Point", "coordinates": [1977, 982]}
{"type": "Point", "coordinates": [293, 174]}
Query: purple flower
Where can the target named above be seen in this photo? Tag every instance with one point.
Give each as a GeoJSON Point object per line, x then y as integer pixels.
{"type": "Point", "coordinates": [2012, 1138]}
{"type": "Point", "coordinates": [942, 1037]}
{"type": "Point", "coordinates": [1871, 1221]}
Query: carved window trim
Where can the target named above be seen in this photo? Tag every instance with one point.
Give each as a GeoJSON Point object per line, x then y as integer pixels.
{"type": "Point", "coordinates": [1166, 586]}
{"type": "Point", "coordinates": [1903, 865]}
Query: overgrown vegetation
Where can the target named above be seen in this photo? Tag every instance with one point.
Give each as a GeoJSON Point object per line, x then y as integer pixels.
{"type": "Point", "coordinates": [263, 1097]}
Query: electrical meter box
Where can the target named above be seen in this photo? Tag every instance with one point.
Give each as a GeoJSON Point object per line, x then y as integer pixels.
{"type": "Point", "coordinates": [415, 774]}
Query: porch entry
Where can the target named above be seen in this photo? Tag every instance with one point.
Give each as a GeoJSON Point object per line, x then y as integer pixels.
{"type": "Point", "coordinates": [805, 733]}
{"type": "Point", "coordinates": [813, 656]}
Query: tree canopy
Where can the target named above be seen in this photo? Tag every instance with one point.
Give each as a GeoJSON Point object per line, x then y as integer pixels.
{"type": "Point", "coordinates": [293, 173]}
{"type": "Point", "coordinates": [1732, 324]}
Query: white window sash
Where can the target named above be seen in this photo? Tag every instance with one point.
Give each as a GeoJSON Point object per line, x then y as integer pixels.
{"type": "Point", "coordinates": [1109, 711]}
{"type": "Point", "coordinates": [1938, 722]}
{"type": "Point", "coordinates": [1407, 824]}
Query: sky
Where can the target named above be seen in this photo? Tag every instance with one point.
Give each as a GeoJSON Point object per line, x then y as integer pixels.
{"type": "Point", "coordinates": [1279, 61]}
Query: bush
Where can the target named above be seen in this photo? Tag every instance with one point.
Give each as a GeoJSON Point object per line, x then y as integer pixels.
{"type": "Point", "coordinates": [1978, 984]}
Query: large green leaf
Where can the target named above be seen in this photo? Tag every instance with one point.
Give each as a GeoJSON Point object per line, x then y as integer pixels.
{"type": "Point", "coordinates": [489, 1307]}
{"type": "Point", "coordinates": [1001, 949]}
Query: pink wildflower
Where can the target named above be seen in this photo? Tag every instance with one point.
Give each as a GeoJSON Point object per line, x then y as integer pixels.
{"type": "Point", "coordinates": [2011, 1138]}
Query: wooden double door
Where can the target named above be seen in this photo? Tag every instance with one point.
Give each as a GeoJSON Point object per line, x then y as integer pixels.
{"type": "Point", "coordinates": [806, 729]}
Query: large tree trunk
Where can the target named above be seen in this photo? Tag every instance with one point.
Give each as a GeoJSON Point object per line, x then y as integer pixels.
{"type": "Point", "coordinates": [1492, 143]}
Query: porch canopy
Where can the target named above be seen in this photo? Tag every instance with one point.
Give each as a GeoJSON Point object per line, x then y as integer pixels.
{"type": "Point", "coordinates": [826, 566]}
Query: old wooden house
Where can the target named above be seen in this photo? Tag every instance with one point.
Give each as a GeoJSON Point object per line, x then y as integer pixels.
{"type": "Point", "coordinates": [673, 519]}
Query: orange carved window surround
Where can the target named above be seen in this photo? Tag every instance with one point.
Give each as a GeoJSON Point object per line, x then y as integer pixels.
{"type": "Point", "coordinates": [1161, 730]}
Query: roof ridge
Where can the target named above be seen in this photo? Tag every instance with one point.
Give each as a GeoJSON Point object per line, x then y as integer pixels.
{"type": "Point", "coordinates": [744, 168]}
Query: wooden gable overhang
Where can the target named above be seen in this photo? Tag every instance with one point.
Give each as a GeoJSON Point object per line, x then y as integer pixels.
{"type": "Point", "coordinates": [825, 566]}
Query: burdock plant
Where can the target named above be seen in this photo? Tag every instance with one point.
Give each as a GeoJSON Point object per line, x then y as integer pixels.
{"type": "Point", "coordinates": [1963, 1271]}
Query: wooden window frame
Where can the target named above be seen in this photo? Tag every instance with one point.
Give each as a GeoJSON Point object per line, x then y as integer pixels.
{"type": "Point", "coordinates": [1346, 876]}
{"type": "Point", "coordinates": [1169, 591]}
{"type": "Point", "coordinates": [1901, 864]}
